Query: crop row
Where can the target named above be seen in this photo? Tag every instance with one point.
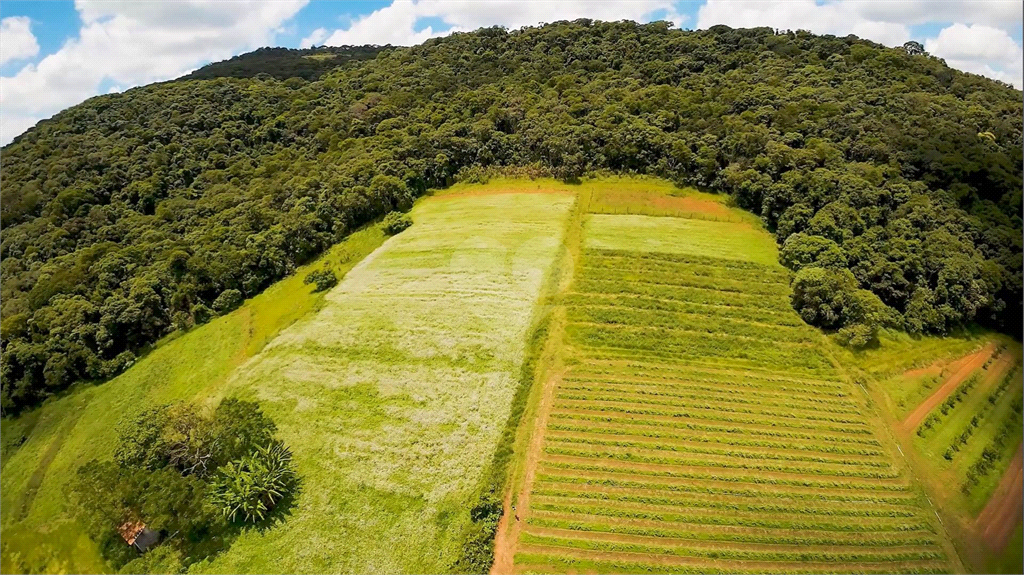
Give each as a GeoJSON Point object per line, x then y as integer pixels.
{"type": "Point", "coordinates": [738, 519]}
{"type": "Point", "coordinates": [618, 315]}
{"type": "Point", "coordinates": [541, 560]}
{"type": "Point", "coordinates": [698, 445]}
{"type": "Point", "coordinates": [677, 345]}
{"type": "Point", "coordinates": [883, 554]}
{"type": "Point", "coordinates": [818, 445]}
{"type": "Point", "coordinates": [630, 256]}
{"type": "Point", "coordinates": [628, 421]}
{"type": "Point", "coordinates": [691, 294]}
{"type": "Point", "coordinates": [739, 461]}
{"type": "Point", "coordinates": [552, 480]}
{"type": "Point", "coordinates": [689, 278]}
{"type": "Point", "coordinates": [709, 474]}
{"type": "Point", "coordinates": [954, 398]}
{"type": "Point", "coordinates": [829, 509]}
{"type": "Point", "coordinates": [638, 302]}
{"type": "Point", "coordinates": [728, 378]}
{"type": "Point", "coordinates": [714, 404]}
{"type": "Point", "coordinates": [965, 435]}
{"type": "Point", "coordinates": [711, 415]}
{"type": "Point", "coordinates": [720, 391]}
{"type": "Point", "coordinates": [780, 537]}
{"type": "Point", "coordinates": [993, 452]}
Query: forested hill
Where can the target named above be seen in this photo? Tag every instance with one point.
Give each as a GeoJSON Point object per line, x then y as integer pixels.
{"type": "Point", "coordinates": [893, 182]}
{"type": "Point", "coordinates": [284, 63]}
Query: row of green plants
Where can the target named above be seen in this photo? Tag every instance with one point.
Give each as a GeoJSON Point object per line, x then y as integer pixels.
{"type": "Point", "coordinates": [635, 301]}
{"type": "Point", "coordinates": [628, 421]}
{"type": "Point", "coordinates": [737, 554]}
{"type": "Point", "coordinates": [971, 426]}
{"type": "Point", "coordinates": [699, 487]}
{"type": "Point", "coordinates": [773, 538]}
{"type": "Point", "coordinates": [690, 294]}
{"type": "Point", "coordinates": [996, 449]}
{"type": "Point", "coordinates": [713, 404]}
{"type": "Point", "coordinates": [709, 474]}
{"type": "Point", "coordinates": [697, 323]}
{"type": "Point", "coordinates": [691, 277]}
{"type": "Point", "coordinates": [713, 267]}
{"type": "Point", "coordinates": [818, 385]}
{"type": "Point", "coordinates": [936, 417]}
{"type": "Point", "coordinates": [762, 506]}
{"type": "Point", "coordinates": [732, 449]}
{"type": "Point", "coordinates": [755, 520]}
{"type": "Point", "coordinates": [635, 410]}
{"type": "Point", "coordinates": [749, 464]}
{"type": "Point", "coordinates": [676, 345]}
{"type": "Point", "coordinates": [765, 394]}
{"type": "Point", "coordinates": [629, 389]}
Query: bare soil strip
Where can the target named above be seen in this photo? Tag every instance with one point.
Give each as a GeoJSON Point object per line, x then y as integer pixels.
{"type": "Point", "coordinates": [965, 367]}
{"type": "Point", "coordinates": [1004, 510]}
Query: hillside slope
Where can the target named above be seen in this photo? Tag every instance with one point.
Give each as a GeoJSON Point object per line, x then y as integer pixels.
{"type": "Point", "coordinates": [127, 217]}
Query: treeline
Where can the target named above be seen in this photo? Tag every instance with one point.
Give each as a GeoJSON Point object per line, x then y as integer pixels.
{"type": "Point", "coordinates": [284, 63]}
{"type": "Point", "coordinates": [884, 174]}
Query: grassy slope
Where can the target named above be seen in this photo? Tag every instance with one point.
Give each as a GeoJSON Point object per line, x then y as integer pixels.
{"type": "Point", "coordinates": [394, 395]}
{"type": "Point", "coordinates": [70, 430]}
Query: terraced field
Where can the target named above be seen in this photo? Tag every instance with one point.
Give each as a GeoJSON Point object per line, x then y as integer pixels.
{"type": "Point", "coordinates": [699, 426]}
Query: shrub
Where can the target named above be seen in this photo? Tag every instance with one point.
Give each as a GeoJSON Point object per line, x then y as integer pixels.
{"type": "Point", "coordinates": [250, 487]}
{"type": "Point", "coordinates": [201, 314]}
{"type": "Point", "coordinates": [323, 279]}
{"type": "Point", "coordinates": [228, 300]}
{"type": "Point", "coordinates": [396, 222]}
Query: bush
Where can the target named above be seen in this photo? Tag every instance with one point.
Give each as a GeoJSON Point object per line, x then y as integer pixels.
{"type": "Point", "coordinates": [396, 222]}
{"type": "Point", "coordinates": [324, 280]}
{"type": "Point", "coordinates": [228, 300]}
{"type": "Point", "coordinates": [250, 487]}
{"type": "Point", "coordinates": [201, 314]}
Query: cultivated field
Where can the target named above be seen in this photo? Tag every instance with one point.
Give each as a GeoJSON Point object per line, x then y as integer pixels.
{"type": "Point", "coordinates": [395, 394]}
{"type": "Point", "coordinates": [698, 426]}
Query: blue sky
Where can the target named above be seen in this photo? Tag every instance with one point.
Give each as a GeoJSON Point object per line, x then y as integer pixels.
{"type": "Point", "coordinates": [56, 54]}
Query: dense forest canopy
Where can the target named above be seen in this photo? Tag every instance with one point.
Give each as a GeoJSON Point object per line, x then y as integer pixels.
{"type": "Point", "coordinates": [892, 182]}
{"type": "Point", "coordinates": [284, 63]}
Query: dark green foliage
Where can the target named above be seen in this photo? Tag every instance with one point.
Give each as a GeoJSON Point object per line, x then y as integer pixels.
{"type": "Point", "coordinates": [227, 300]}
{"type": "Point", "coordinates": [322, 279]}
{"type": "Point", "coordinates": [175, 469]}
{"type": "Point", "coordinates": [247, 489]}
{"type": "Point", "coordinates": [283, 63]}
{"type": "Point", "coordinates": [396, 222]}
{"type": "Point", "coordinates": [131, 211]}
{"type": "Point", "coordinates": [801, 250]}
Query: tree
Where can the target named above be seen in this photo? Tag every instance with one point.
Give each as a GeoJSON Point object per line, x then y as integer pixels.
{"type": "Point", "coordinates": [395, 222]}
{"type": "Point", "coordinates": [249, 488]}
{"type": "Point", "coordinates": [913, 48]}
{"type": "Point", "coordinates": [322, 279]}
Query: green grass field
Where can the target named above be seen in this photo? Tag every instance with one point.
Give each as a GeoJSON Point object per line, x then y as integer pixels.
{"type": "Point", "coordinates": [701, 427]}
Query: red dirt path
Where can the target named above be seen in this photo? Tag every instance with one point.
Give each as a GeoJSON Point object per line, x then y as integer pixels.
{"type": "Point", "coordinates": [964, 368]}
{"type": "Point", "coordinates": [1003, 511]}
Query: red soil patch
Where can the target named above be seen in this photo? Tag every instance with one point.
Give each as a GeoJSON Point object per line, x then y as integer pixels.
{"type": "Point", "coordinates": [643, 202]}
{"type": "Point", "coordinates": [963, 368]}
{"type": "Point", "coordinates": [1003, 511]}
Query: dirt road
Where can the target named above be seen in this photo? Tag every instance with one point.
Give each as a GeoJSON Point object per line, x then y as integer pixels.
{"type": "Point", "coordinates": [966, 367]}
{"type": "Point", "coordinates": [1003, 511]}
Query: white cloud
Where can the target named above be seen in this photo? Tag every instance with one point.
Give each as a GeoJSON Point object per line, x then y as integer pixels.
{"type": "Point", "coordinates": [134, 43]}
{"type": "Point", "coordinates": [315, 38]}
{"type": "Point", "coordinates": [980, 49]}
{"type": "Point", "coordinates": [16, 39]}
{"type": "Point", "coordinates": [977, 42]}
{"type": "Point", "coordinates": [838, 18]}
{"type": "Point", "coordinates": [397, 23]}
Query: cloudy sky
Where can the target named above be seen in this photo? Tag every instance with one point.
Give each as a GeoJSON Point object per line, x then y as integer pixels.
{"type": "Point", "coordinates": [56, 54]}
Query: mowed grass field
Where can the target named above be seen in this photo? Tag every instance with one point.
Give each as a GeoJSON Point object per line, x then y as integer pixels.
{"type": "Point", "coordinates": [699, 426]}
{"type": "Point", "coordinates": [395, 394]}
